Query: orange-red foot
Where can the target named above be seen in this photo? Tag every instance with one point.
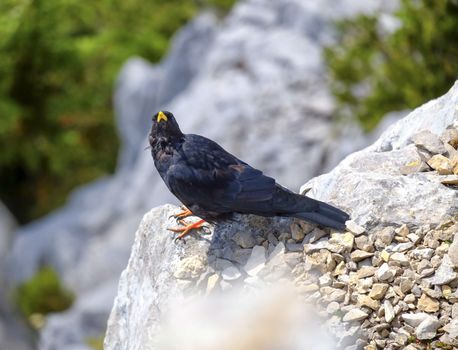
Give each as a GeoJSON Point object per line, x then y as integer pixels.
{"type": "Point", "coordinates": [182, 214]}
{"type": "Point", "coordinates": [187, 228]}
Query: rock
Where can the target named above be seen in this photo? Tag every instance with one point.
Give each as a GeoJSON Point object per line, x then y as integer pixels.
{"type": "Point", "coordinates": [400, 258]}
{"type": "Point", "coordinates": [332, 307]}
{"type": "Point", "coordinates": [230, 273]}
{"type": "Point", "coordinates": [354, 227]}
{"type": "Point", "coordinates": [244, 239]}
{"type": "Point", "coordinates": [344, 240]}
{"type": "Point", "coordinates": [452, 153]}
{"type": "Point", "coordinates": [415, 319]}
{"type": "Point", "coordinates": [378, 291]}
{"type": "Point", "coordinates": [455, 310]}
{"type": "Point", "coordinates": [413, 237]}
{"type": "Point", "coordinates": [332, 294]}
{"type": "Point", "coordinates": [364, 243]}
{"type": "Point", "coordinates": [423, 253]}
{"type": "Point", "coordinates": [354, 315]}
{"type": "Point", "coordinates": [384, 237]}
{"type": "Point", "coordinates": [320, 260]}
{"type": "Point", "coordinates": [364, 300]}
{"type": "Point", "coordinates": [441, 164]}
{"type": "Point", "coordinates": [427, 328]}
{"type": "Point", "coordinates": [453, 251]}
{"type": "Point", "coordinates": [384, 273]}
{"type": "Point", "coordinates": [444, 273]}
{"type": "Point", "coordinates": [415, 166]}
{"type": "Point", "coordinates": [309, 289]}
{"type": "Point", "coordinates": [401, 247]}
{"type": "Point", "coordinates": [366, 271]}
{"type": "Point", "coordinates": [427, 304]}
{"type": "Point", "coordinates": [325, 280]}
{"type": "Point", "coordinates": [388, 196]}
{"type": "Point", "coordinates": [212, 283]}
{"type": "Point", "coordinates": [403, 231]}
{"type": "Point", "coordinates": [340, 269]}
{"type": "Point", "coordinates": [429, 141]}
{"type": "Point", "coordinates": [276, 266]}
{"type": "Point", "coordinates": [450, 136]}
{"type": "Point", "coordinates": [300, 228]}
{"type": "Point", "coordinates": [148, 287]}
{"type": "Point", "coordinates": [452, 328]}
{"type": "Point", "coordinates": [364, 285]}
{"type": "Point", "coordinates": [446, 339]}
{"type": "Point", "coordinates": [7, 226]}
{"type": "Point", "coordinates": [450, 179]}
{"type": "Point", "coordinates": [406, 284]}
{"type": "Point", "coordinates": [257, 261]}
{"type": "Point", "coordinates": [359, 255]}
{"type": "Point", "coordinates": [389, 311]}
{"type": "Point", "coordinates": [385, 256]}
{"type": "Point", "coordinates": [314, 236]}
{"type": "Point", "coordinates": [410, 299]}
{"type": "Point", "coordinates": [14, 333]}
{"type": "Point", "coordinates": [190, 267]}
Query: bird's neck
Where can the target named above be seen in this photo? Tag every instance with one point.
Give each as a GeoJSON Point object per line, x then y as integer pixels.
{"type": "Point", "coordinates": [164, 144]}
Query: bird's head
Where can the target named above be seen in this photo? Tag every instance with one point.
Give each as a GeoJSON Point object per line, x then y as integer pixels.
{"type": "Point", "coordinates": [165, 126]}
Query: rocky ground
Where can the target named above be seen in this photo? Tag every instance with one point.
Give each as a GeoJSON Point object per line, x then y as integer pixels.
{"type": "Point", "coordinates": [386, 289]}
{"type": "Point", "coordinates": [389, 281]}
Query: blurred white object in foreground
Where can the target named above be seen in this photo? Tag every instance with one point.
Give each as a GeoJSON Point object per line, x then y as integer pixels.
{"type": "Point", "coordinates": [263, 320]}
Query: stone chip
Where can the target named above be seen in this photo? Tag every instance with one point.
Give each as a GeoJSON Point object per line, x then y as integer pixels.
{"type": "Point", "coordinates": [355, 315]}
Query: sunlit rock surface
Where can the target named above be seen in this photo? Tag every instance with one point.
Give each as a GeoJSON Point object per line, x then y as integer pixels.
{"type": "Point", "coordinates": [400, 236]}
{"type": "Point", "coordinates": [371, 185]}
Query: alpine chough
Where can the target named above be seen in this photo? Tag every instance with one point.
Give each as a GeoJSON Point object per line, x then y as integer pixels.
{"type": "Point", "coordinates": [213, 184]}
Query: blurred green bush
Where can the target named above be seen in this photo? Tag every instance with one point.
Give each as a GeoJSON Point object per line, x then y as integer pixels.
{"type": "Point", "coordinates": [374, 72]}
{"type": "Point", "coordinates": [41, 295]}
{"type": "Point", "coordinates": [96, 343]}
{"type": "Point", "coordinates": [58, 62]}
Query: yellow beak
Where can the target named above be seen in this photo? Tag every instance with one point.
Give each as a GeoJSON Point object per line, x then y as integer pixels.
{"type": "Point", "coordinates": [161, 116]}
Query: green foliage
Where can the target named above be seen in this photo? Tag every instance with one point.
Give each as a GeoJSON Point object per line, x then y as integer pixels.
{"type": "Point", "coordinates": [58, 62]}
{"type": "Point", "coordinates": [373, 73]}
{"type": "Point", "coordinates": [42, 294]}
{"type": "Point", "coordinates": [95, 343]}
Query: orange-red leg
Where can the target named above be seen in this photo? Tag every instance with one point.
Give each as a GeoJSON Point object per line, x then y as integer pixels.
{"type": "Point", "coordinates": [187, 228]}
{"type": "Point", "coordinates": [182, 214]}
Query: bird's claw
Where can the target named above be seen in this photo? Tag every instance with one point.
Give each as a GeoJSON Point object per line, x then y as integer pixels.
{"type": "Point", "coordinates": [186, 229]}
{"type": "Point", "coordinates": [185, 212]}
{"type": "Point", "coordinates": [179, 239]}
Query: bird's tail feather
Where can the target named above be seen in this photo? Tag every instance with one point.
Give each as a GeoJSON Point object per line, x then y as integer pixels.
{"type": "Point", "coordinates": [322, 219]}
{"type": "Point", "coordinates": [332, 212]}
{"type": "Point", "coordinates": [326, 215]}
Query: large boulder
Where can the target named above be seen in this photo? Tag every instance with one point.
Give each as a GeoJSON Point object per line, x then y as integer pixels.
{"type": "Point", "coordinates": [161, 274]}
{"type": "Point", "coordinates": [371, 183]}
{"type": "Point", "coordinates": [388, 279]}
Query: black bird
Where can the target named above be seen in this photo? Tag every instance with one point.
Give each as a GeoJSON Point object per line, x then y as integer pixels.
{"type": "Point", "coordinates": [213, 184]}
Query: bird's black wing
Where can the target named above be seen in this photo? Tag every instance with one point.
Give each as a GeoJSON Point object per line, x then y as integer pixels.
{"type": "Point", "coordinates": [204, 173]}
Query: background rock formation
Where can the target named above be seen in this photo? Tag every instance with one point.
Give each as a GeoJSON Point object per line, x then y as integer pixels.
{"type": "Point", "coordinates": [13, 333]}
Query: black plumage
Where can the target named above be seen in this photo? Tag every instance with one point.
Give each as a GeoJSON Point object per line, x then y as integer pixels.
{"type": "Point", "coordinates": [213, 183]}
